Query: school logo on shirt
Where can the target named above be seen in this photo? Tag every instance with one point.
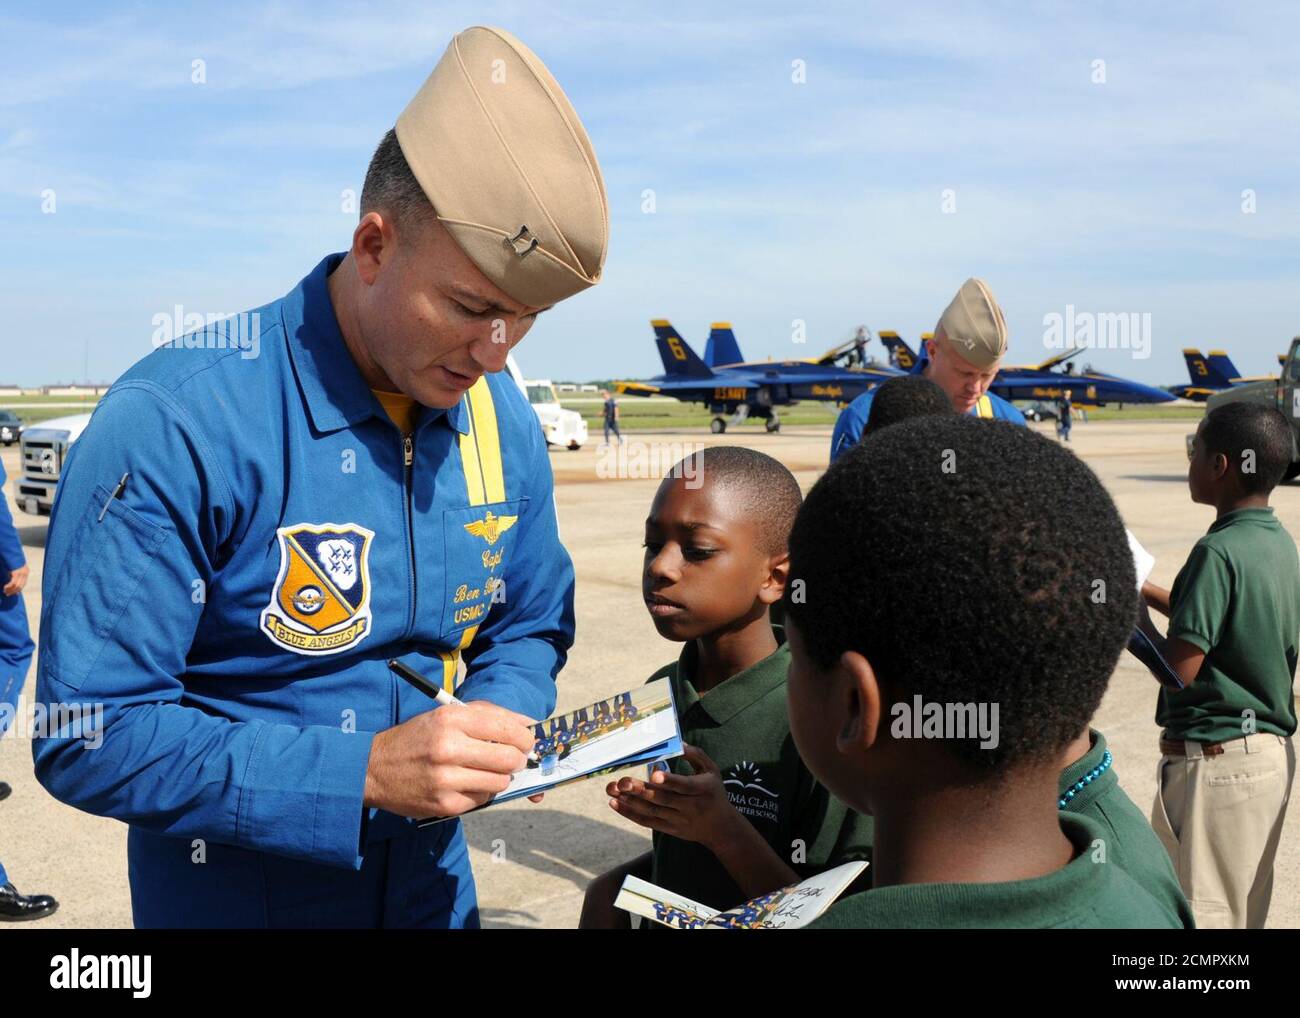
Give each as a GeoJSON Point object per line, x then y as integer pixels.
{"type": "Point", "coordinates": [745, 787]}
{"type": "Point", "coordinates": [320, 603]}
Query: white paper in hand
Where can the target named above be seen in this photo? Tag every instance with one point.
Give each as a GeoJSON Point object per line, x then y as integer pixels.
{"type": "Point", "coordinates": [1143, 560]}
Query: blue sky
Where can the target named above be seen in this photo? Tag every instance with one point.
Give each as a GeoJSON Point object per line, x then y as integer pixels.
{"type": "Point", "coordinates": [819, 201]}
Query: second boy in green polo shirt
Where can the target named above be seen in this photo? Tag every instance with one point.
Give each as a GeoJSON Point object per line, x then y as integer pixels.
{"type": "Point", "coordinates": [1227, 761]}
{"type": "Point", "coordinates": [952, 737]}
{"type": "Point", "coordinates": [739, 814]}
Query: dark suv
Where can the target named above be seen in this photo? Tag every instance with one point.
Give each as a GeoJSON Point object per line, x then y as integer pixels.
{"type": "Point", "coordinates": [11, 428]}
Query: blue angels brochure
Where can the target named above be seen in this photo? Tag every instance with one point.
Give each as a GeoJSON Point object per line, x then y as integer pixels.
{"type": "Point", "coordinates": [632, 728]}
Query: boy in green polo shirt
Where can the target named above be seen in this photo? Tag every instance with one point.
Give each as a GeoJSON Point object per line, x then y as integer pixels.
{"type": "Point", "coordinates": [1234, 625]}
{"type": "Point", "coordinates": [943, 659]}
{"type": "Point", "coordinates": [739, 814]}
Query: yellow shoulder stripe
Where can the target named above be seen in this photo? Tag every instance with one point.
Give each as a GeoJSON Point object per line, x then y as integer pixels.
{"type": "Point", "coordinates": [485, 483]}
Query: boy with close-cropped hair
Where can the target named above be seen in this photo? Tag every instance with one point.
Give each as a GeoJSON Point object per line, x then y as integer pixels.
{"type": "Point", "coordinates": [949, 569]}
{"type": "Point", "coordinates": [739, 815]}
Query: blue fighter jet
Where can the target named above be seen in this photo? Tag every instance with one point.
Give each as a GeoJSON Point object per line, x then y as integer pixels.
{"type": "Point", "coordinates": [1043, 381]}
{"type": "Point", "coordinates": [729, 385]}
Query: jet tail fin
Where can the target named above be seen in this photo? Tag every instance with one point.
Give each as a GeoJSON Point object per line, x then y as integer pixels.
{"type": "Point", "coordinates": [1221, 362]}
{"type": "Point", "coordinates": [1203, 371]}
{"type": "Point", "coordinates": [722, 347]}
{"type": "Point", "coordinates": [679, 359]}
{"type": "Point", "coordinates": [900, 354]}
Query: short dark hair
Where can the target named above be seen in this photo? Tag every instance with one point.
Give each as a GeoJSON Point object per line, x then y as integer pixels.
{"type": "Point", "coordinates": [1235, 428]}
{"type": "Point", "coordinates": [391, 187]}
{"type": "Point", "coordinates": [764, 486]}
{"type": "Point", "coordinates": [904, 397]}
{"type": "Point", "coordinates": [969, 561]}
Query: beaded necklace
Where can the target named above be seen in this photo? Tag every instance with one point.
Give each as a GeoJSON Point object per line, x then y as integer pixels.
{"type": "Point", "coordinates": [1087, 779]}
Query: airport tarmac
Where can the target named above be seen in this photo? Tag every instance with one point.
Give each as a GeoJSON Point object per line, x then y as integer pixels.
{"type": "Point", "coordinates": [532, 862]}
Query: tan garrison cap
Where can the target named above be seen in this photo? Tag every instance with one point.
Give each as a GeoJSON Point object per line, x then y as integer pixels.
{"type": "Point", "coordinates": [505, 161]}
{"type": "Point", "coordinates": [974, 326]}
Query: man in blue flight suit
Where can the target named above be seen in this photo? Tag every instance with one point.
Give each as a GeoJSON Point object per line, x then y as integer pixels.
{"type": "Point", "coordinates": [16, 650]}
{"type": "Point", "coordinates": [962, 358]}
{"type": "Point", "coordinates": [250, 528]}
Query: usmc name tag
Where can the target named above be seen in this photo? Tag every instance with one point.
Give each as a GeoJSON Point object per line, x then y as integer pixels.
{"type": "Point", "coordinates": [480, 542]}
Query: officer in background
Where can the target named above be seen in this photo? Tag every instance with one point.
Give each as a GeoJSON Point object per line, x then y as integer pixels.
{"type": "Point", "coordinates": [247, 532]}
{"type": "Point", "coordinates": [16, 650]}
{"type": "Point", "coordinates": [962, 358]}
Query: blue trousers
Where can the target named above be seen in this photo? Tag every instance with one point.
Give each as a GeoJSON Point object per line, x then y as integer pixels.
{"type": "Point", "coordinates": [420, 880]}
{"type": "Point", "coordinates": [612, 426]}
{"type": "Point", "coordinates": [16, 649]}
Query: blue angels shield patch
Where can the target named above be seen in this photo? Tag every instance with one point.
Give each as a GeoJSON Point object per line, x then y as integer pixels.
{"type": "Point", "coordinates": [320, 603]}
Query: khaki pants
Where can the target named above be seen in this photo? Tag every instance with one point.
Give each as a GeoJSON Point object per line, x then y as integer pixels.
{"type": "Point", "coordinates": [1220, 820]}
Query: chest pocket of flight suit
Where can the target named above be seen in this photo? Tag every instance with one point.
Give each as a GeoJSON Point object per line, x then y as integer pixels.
{"type": "Point", "coordinates": [480, 544]}
{"type": "Point", "coordinates": [100, 577]}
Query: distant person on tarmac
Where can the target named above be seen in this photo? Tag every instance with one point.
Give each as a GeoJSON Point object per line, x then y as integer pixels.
{"type": "Point", "coordinates": [1064, 416]}
{"type": "Point", "coordinates": [610, 415]}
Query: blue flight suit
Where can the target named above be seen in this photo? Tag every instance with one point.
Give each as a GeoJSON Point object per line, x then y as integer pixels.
{"type": "Point", "coordinates": [16, 645]}
{"type": "Point", "coordinates": [853, 418]}
{"type": "Point", "coordinates": [235, 607]}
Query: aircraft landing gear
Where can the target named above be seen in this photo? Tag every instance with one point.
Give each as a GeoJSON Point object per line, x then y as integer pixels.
{"type": "Point", "coordinates": [717, 425]}
{"type": "Point", "coordinates": [772, 424]}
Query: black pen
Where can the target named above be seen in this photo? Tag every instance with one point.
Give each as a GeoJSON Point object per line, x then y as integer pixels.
{"type": "Point", "coordinates": [436, 693]}
{"type": "Point", "coordinates": [121, 487]}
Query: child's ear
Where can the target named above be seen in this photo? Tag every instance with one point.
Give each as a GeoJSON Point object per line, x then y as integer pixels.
{"type": "Point", "coordinates": [778, 573]}
{"type": "Point", "coordinates": [864, 704]}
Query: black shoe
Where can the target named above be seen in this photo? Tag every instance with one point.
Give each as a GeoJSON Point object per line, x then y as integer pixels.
{"type": "Point", "coordinates": [17, 908]}
{"type": "Point", "coordinates": [5, 791]}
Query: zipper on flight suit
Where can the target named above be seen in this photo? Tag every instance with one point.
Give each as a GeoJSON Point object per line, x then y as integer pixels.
{"type": "Point", "coordinates": [408, 458]}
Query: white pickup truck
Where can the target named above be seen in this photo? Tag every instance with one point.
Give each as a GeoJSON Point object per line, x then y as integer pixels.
{"type": "Point", "coordinates": [563, 428]}
{"type": "Point", "coordinates": [43, 448]}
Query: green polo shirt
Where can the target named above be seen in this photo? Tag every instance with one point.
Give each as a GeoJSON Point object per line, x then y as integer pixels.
{"type": "Point", "coordinates": [1082, 894]}
{"type": "Point", "coordinates": [742, 725]}
{"type": "Point", "coordinates": [1130, 842]}
{"type": "Point", "coordinates": [1238, 599]}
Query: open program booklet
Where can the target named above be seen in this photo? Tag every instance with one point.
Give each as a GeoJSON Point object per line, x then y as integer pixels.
{"type": "Point", "coordinates": [636, 727]}
{"type": "Point", "coordinates": [786, 909]}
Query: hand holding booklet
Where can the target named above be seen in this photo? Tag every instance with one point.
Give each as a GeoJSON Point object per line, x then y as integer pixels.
{"type": "Point", "coordinates": [787, 908]}
{"type": "Point", "coordinates": [1139, 644]}
{"type": "Point", "coordinates": [636, 727]}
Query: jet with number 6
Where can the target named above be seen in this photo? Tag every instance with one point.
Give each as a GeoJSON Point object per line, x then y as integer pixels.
{"type": "Point", "coordinates": [731, 387]}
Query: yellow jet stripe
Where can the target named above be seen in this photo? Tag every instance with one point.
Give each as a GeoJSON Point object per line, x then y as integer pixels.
{"type": "Point", "coordinates": [480, 456]}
